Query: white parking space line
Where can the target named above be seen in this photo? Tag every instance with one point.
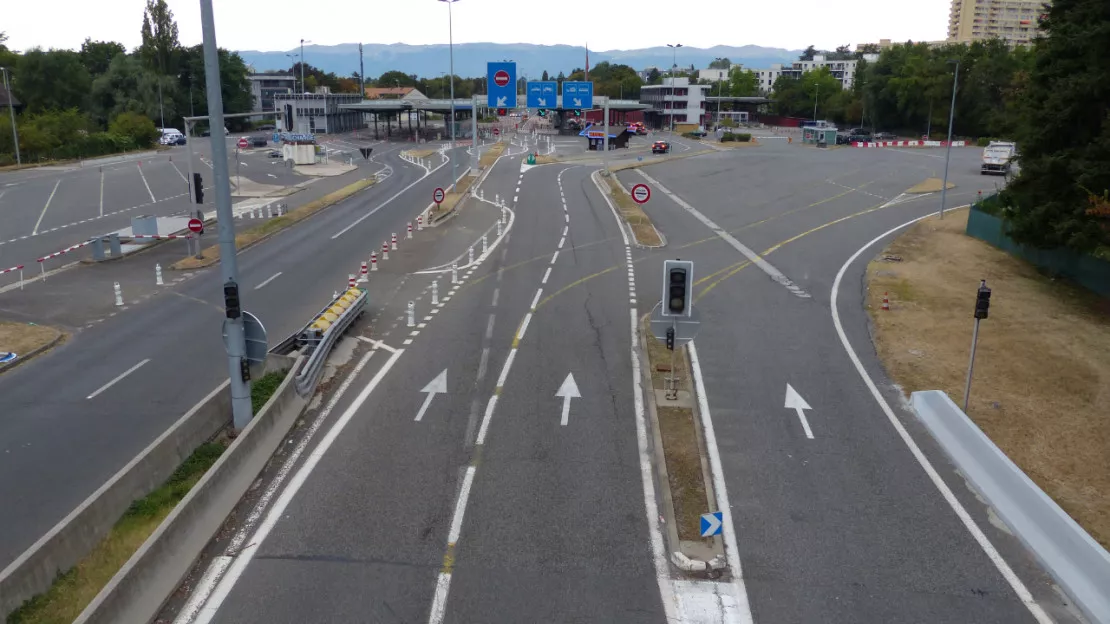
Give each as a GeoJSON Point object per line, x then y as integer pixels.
{"type": "Point", "coordinates": [117, 379]}
{"type": "Point", "coordinates": [183, 179]}
{"type": "Point", "coordinates": [143, 176]}
{"type": "Point", "coordinates": [268, 280]}
{"type": "Point", "coordinates": [48, 200]}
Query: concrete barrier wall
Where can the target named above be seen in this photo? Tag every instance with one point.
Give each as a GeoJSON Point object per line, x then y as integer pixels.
{"type": "Point", "coordinates": [137, 592]}
{"type": "Point", "coordinates": [76, 535]}
{"type": "Point", "coordinates": [1078, 563]}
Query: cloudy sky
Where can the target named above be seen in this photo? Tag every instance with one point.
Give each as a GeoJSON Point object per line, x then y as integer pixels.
{"type": "Point", "coordinates": [280, 24]}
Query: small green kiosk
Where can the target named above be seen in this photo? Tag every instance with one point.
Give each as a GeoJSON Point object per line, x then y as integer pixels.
{"type": "Point", "coordinates": [819, 133]}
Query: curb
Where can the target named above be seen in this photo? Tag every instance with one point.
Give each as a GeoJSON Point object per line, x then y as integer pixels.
{"type": "Point", "coordinates": [59, 337]}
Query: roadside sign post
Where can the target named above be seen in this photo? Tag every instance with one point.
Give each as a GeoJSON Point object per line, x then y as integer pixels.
{"type": "Point", "coordinates": [501, 85]}
{"type": "Point", "coordinates": [641, 193]}
{"type": "Point", "coordinates": [437, 196]}
{"type": "Point", "coordinates": [982, 305]}
{"type": "Point", "coordinates": [674, 319]}
{"type": "Point", "coordinates": [196, 226]}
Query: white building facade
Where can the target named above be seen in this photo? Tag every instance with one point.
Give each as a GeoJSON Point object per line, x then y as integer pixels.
{"type": "Point", "coordinates": [676, 100]}
{"type": "Point", "coordinates": [844, 71]}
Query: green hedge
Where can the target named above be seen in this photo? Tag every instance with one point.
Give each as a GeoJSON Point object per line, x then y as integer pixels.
{"type": "Point", "coordinates": [741, 137]}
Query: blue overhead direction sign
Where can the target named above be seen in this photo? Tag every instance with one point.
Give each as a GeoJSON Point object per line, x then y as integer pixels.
{"type": "Point", "coordinates": [501, 85]}
{"type": "Point", "coordinates": [543, 94]}
{"type": "Point", "coordinates": [578, 95]}
{"type": "Point", "coordinates": [711, 523]}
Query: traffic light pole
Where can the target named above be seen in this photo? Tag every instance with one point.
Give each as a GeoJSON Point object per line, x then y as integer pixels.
{"type": "Point", "coordinates": [229, 263]}
{"type": "Point", "coordinates": [982, 305]}
{"type": "Point", "coordinates": [474, 134]}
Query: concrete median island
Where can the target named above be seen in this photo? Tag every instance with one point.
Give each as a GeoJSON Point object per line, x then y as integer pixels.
{"type": "Point", "coordinates": [638, 220]}
{"type": "Point", "coordinates": [25, 341]}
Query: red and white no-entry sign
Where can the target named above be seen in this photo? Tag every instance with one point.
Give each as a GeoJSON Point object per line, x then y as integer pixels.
{"type": "Point", "coordinates": [496, 132]}
{"type": "Point", "coordinates": [243, 143]}
{"type": "Point", "coordinates": [437, 196]}
{"type": "Point", "coordinates": [501, 78]}
{"type": "Point", "coordinates": [641, 193]}
{"type": "Point", "coordinates": [196, 225]}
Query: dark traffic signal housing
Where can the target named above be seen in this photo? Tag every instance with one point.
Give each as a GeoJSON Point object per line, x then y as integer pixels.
{"type": "Point", "coordinates": [501, 112]}
{"type": "Point", "coordinates": [198, 188]}
{"type": "Point", "coordinates": [678, 287]}
{"type": "Point", "coordinates": [232, 305]}
{"type": "Point", "coordinates": [982, 301]}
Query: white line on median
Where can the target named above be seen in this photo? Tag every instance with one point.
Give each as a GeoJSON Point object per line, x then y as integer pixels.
{"type": "Point", "coordinates": [546, 275]}
{"type": "Point", "coordinates": [268, 280]}
{"type": "Point", "coordinates": [143, 176]}
{"type": "Point", "coordinates": [102, 192]}
{"type": "Point", "coordinates": [536, 299]}
{"type": "Point", "coordinates": [117, 379]}
{"type": "Point", "coordinates": [48, 200]}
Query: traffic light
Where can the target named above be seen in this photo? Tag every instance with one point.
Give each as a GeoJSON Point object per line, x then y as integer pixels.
{"type": "Point", "coordinates": [677, 287]}
{"type": "Point", "coordinates": [198, 188]}
{"type": "Point", "coordinates": [542, 112]}
{"type": "Point", "coordinates": [577, 113]}
{"type": "Point", "coordinates": [670, 339]}
{"type": "Point", "coordinates": [232, 307]}
{"type": "Point", "coordinates": [982, 300]}
{"type": "Point", "coordinates": [288, 117]}
{"type": "Point", "coordinates": [501, 112]}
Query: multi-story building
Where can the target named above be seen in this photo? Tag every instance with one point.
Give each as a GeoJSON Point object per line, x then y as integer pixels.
{"type": "Point", "coordinates": [1015, 21]}
{"type": "Point", "coordinates": [264, 87]}
{"type": "Point", "coordinates": [842, 70]}
{"type": "Point", "coordinates": [716, 75]}
{"type": "Point", "coordinates": [319, 113]}
{"type": "Point", "coordinates": [675, 101]}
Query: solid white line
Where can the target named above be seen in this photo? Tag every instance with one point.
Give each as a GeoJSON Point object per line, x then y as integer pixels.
{"type": "Point", "coordinates": [183, 178]}
{"type": "Point", "coordinates": [278, 510]}
{"type": "Point", "coordinates": [143, 176]}
{"type": "Point", "coordinates": [950, 498]}
{"type": "Point", "coordinates": [117, 379]}
{"type": "Point", "coordinates": [612, 208]}
{"type": "Point", "coordinates": [48, 200]}
{"type": "Point", "coordinates": [382, 205]}
{"type": "Point", "coordinates": [102, 193]}
{"type": "Point", "coordinates": [268, 280]}
{"type": "Point", "coordinates": [485, 421]}
{"type": "Point", "coordinates": [524, 327]}
{"type": "Point", "coordinates": [546, 275]}
{"type": "Point", "coordinates": [755, 258]}
{"type": "Point", "coordinates": [439, 602]}
{"type": "Point", "coordinates": [505, 369]}
{"type": "Point", "coordinates": [460, 506]}
{"type": "Point", "coordinates": [536, 299]}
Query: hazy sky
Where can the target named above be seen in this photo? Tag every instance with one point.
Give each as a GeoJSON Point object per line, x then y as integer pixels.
{"type": "Point", "coordinates": [280, 24]}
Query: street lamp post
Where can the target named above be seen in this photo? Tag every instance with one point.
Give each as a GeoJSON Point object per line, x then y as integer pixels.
{"type": "Point", "coordinates": [948, 151]}
{"type": "Point", "coordinates": [815, 93]}
{"type": "Point", "coordinates": [720, 87]}
{"type": "Point", "coordinates": [11, 112]}
{"type": "Point", "coordinates": [291, 57]}
{"type": "Point", "coordinates": [303, 90]}
{"type": "Point", "coordinates": [451, 49]}
{"type": "Point", "coordinates": [674, 65]}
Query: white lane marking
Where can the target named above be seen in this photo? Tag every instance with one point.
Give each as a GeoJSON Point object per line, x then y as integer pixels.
{"type": "Point", "coordinates": [515, 198]}
{"type": "Point", "coordinates": [48, 200]}
{"type": "Point", "coordinates": [755, 258]}
{"type": "Point", "coordinates": [489, 327]}
{"type": "Point", "coordinates": [554, 257]}
{"type": "Point", "coordinates": [460, 506]}
{"type": "Point", "coordinates": [546, 275]}
{"type": "Point", "coordinates": [496, 294]}
{"type": "Point", "coordinates": [143, 176]}
{"type": "Point", "coordinates": [950, 498]}
{"type": "Point", "coordinates": [439, 602]}
{"type": "Point", "coordinates": [566, 217]}
{"type": "Point", "coordinates": [377, 345]}
{"type": "Point", "coordinates": [117, 379]}
{"type": "Point", "coordinates": [612, 208]}
{"type": "Point", "coordinates": [483, 363]}
{"type": "Point", "coordinates": [384, 203]}
{"type": "Point", "coordinates": [562, 241]}
{"type": "Point", "coordinates": [183, 178]}
{"type": "Point", "coordinates": [536, 299]}
{"type": "Point", "coordinates": [524, 327]}
{"type": "Point", "coordinates": [487, 417]}
{"type": "Point", "coordinates": [268, 280]}
{"type": "Point", "coordinates": [247, 553]}
{"type": "Point", "coordinates": [505, 369]}
{"type": "Point", "coordinates": [566, 228]}
{"type": "Point", "coordinates": [102, 192]}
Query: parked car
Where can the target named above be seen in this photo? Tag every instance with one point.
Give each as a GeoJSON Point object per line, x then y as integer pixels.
{"type": "Point", "coordinates": [259, 141]}
{"type": "Point", "coordinates": [842, 138]}
{"type": "Point", "coordinates": [274, 153]}
{"type": "Point", "coordinates": [660, 147]}
{"type": "Point", "coordinates": [270, 127]}
{"type": "Point", "coordinates": [859, 135]}
{"type": "Point", "coordinates": [885, 136]}
{"type": "Point", "coordinates": [180, 140]}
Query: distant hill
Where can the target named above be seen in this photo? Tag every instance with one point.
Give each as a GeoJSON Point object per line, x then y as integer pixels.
{"type": "Point", "coordinates": [532, 60]}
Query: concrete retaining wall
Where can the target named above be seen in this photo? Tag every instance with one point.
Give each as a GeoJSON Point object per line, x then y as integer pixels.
{"type": "Point", "coordinates": [136, 593]}
{"type": "Point", "coordinates": [1078, 563]}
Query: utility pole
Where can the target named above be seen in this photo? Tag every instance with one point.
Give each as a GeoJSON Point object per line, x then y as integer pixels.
{"type": "Point", "coordinates": [361, 74]}
{"type": "Point", "coordinates": [303, 89]}
{"type": "Point", "coordinates": [674, 65]}
{"type": "Point", "coordinates": [238, 367]}
{"type": "Point", "coordinates": [815, 93]}
{"type": "Point", "coordinates": [982, 307]}
{"type": "Point", "coordinates": [948, 151]}
{"type": "Point", "coordinates": [11, 112]}
{"type": "Point", "coordinates": [451, 48]}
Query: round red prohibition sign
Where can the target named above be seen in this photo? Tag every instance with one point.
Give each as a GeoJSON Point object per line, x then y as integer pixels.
{"type": "Point", "coordinates": [641, 193]}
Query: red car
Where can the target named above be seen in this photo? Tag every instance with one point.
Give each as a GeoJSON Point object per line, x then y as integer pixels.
{"type": "Point", "coordinates": [660, 147]}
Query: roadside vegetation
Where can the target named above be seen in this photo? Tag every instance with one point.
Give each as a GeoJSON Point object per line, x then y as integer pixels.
{"type": "Point", "coordinates": [24, 338]}
{"type": "Point", "coordinates": [492, 153]}
{"type": "Point", "coordinates": [1042, 370]}
{"type": "Point", "coordinates": [632, 213]}
{"type": "Point", "coordinates": [451, 199]}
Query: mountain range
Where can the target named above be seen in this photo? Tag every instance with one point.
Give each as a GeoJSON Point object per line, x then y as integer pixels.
{"type": "Point", "coordinates": [532, 60]}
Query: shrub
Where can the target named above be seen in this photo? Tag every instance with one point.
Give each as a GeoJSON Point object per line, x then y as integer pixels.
{"type": "Point", "coordinates": [137, 128]}
{"type": "Point", "coordinates": [728, 136]}
{"type": "Point", "coordinates": [742, 137]}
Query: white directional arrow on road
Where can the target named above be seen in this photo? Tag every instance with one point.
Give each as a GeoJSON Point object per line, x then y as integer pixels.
{"type": "Point", "coordinates": [795, 402]}
{"type": "Point", "coordinates": [569, 390]}
{"type": "Point", "coordinates": [434, 387]}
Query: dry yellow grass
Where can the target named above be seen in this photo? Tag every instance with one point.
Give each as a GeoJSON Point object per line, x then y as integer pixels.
{"type": "Point", "coordinates": [249, 237]}
{"type": "Point", "coordinates": [1042, 371]}
{"type": "Point", "coordinates": [451, 199]}
{"type": "Point", "coordinates": [546, 159]}
{"type": "Point", "coordinates": [420, 153]}
{"type": "Point", "coordinates": [632, 213]}
{"type": "Point", "coordinates": [22, 338]}
{"type": "Point", "coordinates": [929, 185]}
{"type": "Point", "coordinates": [491, 154]}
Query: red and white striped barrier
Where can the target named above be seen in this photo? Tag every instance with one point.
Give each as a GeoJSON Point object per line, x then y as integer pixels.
{"type": "Point", "coordinates": [362, 274]}
{"type": "Point", "coordinates": [64, 251]}
{"type": "Point", "coordinates": [373, 261]}
{"type": "Point", "coordinates": [908, 144]}
{"type": "Point", "coordinates": [160, 236]}
{"type": "Point", "coordinates": [11, 270]}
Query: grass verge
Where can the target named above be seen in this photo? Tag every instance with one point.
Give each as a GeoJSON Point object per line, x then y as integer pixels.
{"type": "Point", "coordinates": [452, 199]}
{"type": "Point", "coordinates": [929, 185]}
{"type": "Point", "coordinates": [23, 338]}
{"type": "Point", "coordinates": [491, 154]}
{"type": "Point", "coordinates": [264, 387]}
{"type": "Point", "coordinates": [74, 590]}
{"type": "Point", "coordinates": [420, 153]}
{"type": "Point", "coordinates": [681, 451]}
{"type": "Point", "coordinates": [633, 214]}
{"type": "Point", "coordinates": [1042, 370]}
{"type": "Point", "coordinates": [258, 233]}
{"type": "Point", "coordinates": [546, 159]}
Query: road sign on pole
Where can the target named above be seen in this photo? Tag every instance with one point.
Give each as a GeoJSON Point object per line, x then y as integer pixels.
{"type": "Point", "coordinates": [196, 226]}
{"type": "Point", "coordinates": [685, 328]}
{"type": "Point", "coordinates": [711, 523]}
{"type": "Point", "coordinates": [578, 95]}
{"type": "Point", "coordinates": [641, 193]}
{"type": "Point", "coordinates": [257, 345]}
{"type": "Point", "coordinates": [437, 196]}
{"type": "Point", "coordinates": [243, 143]}
{"type": "Point", "coordinates": [501, 85]}
{"type": "Point", "coordinates": [542, 94]}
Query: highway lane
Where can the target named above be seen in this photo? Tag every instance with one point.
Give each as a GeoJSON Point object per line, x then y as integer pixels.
{"type": "Point", "coordinates": [47, 419]}
{"type": "Point", "coordinates": [846, 526]}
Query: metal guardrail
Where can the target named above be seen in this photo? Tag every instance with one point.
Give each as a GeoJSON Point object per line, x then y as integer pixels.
{"type": "Point", "coordinates": [316, 343]}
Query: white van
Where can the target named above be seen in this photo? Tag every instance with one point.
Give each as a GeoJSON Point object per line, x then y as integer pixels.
{"type": "Point", "coordinates": [169, 136]}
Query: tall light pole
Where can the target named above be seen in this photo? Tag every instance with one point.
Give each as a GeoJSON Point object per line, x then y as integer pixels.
{"type": "Point", "coordinates": [674, 65]}
{"type": "Point", "coordinates": [948, 151]}
{"type": "Point", "coordinates": [720, 87]}
{"type": "Point", "coordinates": [11, 112]}
{"type": "Point", "coordinates": [303, 90]}
{"type": "Point", "coordinates": [815, 93]}
{"type": "Point", "coordinates": [292, 63]}
{"type": "Point", "coordinates": [451, 48]}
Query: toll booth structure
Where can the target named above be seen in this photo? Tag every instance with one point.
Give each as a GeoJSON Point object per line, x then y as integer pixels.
{"type": "Point", "coordinates": [819, 133]}
{"type": "Point", "coordinates": [595, 136]}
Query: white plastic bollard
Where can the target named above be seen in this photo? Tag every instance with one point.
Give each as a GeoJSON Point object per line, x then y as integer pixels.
{"type": "Point", "coordinates": [351, 281]}
{"type": "Point", "coordinates": [498, 228]}
{"type": "Point", "coordinates": [385, 250]}
{"type": "Point", "coordinates": [497, 198]}
{"type": "Point", "coordinates": [269, 212]}
{"type": "Point", "coordinates": [485, 246]}
{"type": "Point", "coordinates": [435, 292]}
{"type": "Point", "coordinates": [409, 234]}
{"type": "Point", "coordinates": [504, 215]}
{"type": "Point", "coordinates": [335, 294]}
{"type": "Point", "coordinates": [412, 314]}
{"type": "Point", "coordinates": [373, 261]}
{"type": "Point", "coordinates": [470, 255]}
{"type": "Point", "coordinates": [252, 213]}
{"type": "Point", "coordinates": [363, 274]}
{"type": "Point", "coordinates": [454, 272]}
{"type": "Point", "coordinates": [394, 241]}
{"type": "Point", "coordinates": [420, 223]}
{"type": "Point", "coordinates": [158, 275]}
{"type": "Point", "coordinates": [119, 293]}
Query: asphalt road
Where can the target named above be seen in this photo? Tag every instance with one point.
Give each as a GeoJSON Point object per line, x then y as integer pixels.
{"type": "Point", "coordinates": [61, 442]}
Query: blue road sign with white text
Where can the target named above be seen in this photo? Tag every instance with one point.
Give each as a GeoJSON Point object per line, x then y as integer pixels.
{"type": "Point", "coordinates": [578, 95]}
{"type": "Point", "coordinates": [542, 94]}
{"type": "Point", "coordinates": [501, 81]}
{"type": "Point", "coordinates": [711, 523]}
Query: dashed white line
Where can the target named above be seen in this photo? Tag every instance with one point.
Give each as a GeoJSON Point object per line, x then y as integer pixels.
{"type": "Point", "coordinates": [496, 294]}
{"type": "Point", "coordinates": [539, 293]}
{"type": "Point", "coordinates": [489, 326]}
{"type": "Point", "coordinates": [554, 257]}
{"type": "Point", "coordinates": [546, 275]}
{"type": "Point", "coordinates": [523, 327]}
{"type": "Point", "coordinates": [268, 280]}
{"type": "Point", "coordinates": [117, 379]}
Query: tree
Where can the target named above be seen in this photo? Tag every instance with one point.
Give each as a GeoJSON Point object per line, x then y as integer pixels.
{"type": "Point", "coordinates": [1064, 134]}
{"type": "Point", "coordinates": [51, 80]}
{"type": "Point", "coordinates": [808, 54]}
{"type": "Point", "coordinates": [159, 32]}
{"type": "Point", "coordinates": [561, 77]}
{"type": "Point", "coordinates": [544, 77]}
{"type": "Point", "coordinates": [7, 57]}
{"type": "Point", "coordinates": [394, 78]}
{"type": "Point", "coordinates": [137, 128]}
{"type": "Point", "coordinates": [867, 48]}
{"type": "Point", "coordinates": [842, 53]}
{"type": "Point", "coordinates": [721, 63]}
{"type": "Point", "coordinates": [654, 77]}
{"type": "Point", "coordinates": [128, 86]}
{"type": "Point", "coordinates": [97, 55]}
{"type": "Point", "coordinates": [742, 83]}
